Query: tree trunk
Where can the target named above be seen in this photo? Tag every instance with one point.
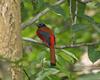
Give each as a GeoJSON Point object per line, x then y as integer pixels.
{"type": "Point", "coordinates": [10, 40]}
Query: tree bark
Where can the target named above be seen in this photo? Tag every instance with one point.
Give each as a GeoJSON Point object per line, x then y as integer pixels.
{"type": "Point", "coordinates": [10, 39]}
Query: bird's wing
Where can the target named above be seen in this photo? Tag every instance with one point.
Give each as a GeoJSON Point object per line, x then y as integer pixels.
{"type": "Point", "coordinates": [45, 36]}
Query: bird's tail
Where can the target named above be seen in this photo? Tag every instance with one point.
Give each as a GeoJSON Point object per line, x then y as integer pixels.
{"type": "Point", "coordinates": [52, 56]}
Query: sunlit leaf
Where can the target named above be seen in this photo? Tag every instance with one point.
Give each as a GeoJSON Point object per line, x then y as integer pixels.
{"type": "Point", "coordinates": [70, 54]}
{"type": "Point", "coordinates": [65, 58]}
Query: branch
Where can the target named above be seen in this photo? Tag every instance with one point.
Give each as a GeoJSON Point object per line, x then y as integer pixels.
{"type": "Point", "coordinates": [78, 45]}
{"type": "Point", "coordinates": [30, 21]}
{"type": "Point", "coordinates": [26, 74]}
{"type": "Point", "coordinates": [64, 46]}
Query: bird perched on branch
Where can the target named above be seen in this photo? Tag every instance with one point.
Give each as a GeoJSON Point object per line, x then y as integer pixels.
{"type": "Point", "coordinates": [48, 37]}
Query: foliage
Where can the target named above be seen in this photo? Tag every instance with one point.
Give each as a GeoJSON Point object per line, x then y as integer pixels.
{"type": "Point", "coordinates": [69, 20]}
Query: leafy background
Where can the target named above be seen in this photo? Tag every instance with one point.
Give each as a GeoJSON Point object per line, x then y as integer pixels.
{"type": "Point", "coordinates": [70, 28]}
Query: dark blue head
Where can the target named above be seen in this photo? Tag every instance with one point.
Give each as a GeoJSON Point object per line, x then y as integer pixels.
{"type": "Point", "coordinates": [41, 25]}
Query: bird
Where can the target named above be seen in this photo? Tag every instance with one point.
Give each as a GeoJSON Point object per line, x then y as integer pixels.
{"type": "Point", "coordinates": [47, 36]}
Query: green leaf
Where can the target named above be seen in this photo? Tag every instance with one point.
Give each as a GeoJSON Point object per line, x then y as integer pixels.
{"type": "Point", "coordinates": [61, 59]}
{"type": "Point", "coordinates": [26, 9]}
{"type": "Point", "coordinates": [88, 18]}
{"type": "Point", "coordinates": [59, 10]}
{"type": "Point", "coordinates": [97, 4]}
{"type": "Point", "coordinates": [93, 54]}
{"type": "Point", "coordinates": [91, 76]}
{"type": "Point", "coordinates": [78, 27]}
{"type": "Point", "coordinates": [70, 54]}
{"type": "Point", "coordinates": [97, 18]}
{"type": "Point", "coordinates": [28, 32]}
{"type": "Point", "coordinates": [81, 8]}
{"type": "Point", "coordinates": [40, 4]}
{"type": "Point", "coordinates": [24, 12]}
{"type": "Point", "coordinates": [47, 71]}
{"type": "Point", "coordinates": [52, 70]}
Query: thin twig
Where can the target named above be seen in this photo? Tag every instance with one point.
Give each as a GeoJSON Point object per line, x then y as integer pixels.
{"type": "Point", "coordinates": [70, 9]}
{"type": "Point", "coordinates": [31, 40]}
{"type": "Point", "coordinates": [32, 20]}
{"type": "Point", "coordinates": [26, 74]}
{"type": "Point", "coordinates": [77, 45]}
{"type": "Point", "coordinates": [76, 11]}
{"type": "Point", "coordinates": [73, 18]}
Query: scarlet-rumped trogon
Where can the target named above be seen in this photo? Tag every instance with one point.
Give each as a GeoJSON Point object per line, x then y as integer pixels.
{"type": "Point", "coordinates": [48, 37]}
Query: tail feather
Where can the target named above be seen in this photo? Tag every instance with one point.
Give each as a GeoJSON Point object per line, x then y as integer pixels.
{"type": "Point", "coordinates": [52, 56]}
